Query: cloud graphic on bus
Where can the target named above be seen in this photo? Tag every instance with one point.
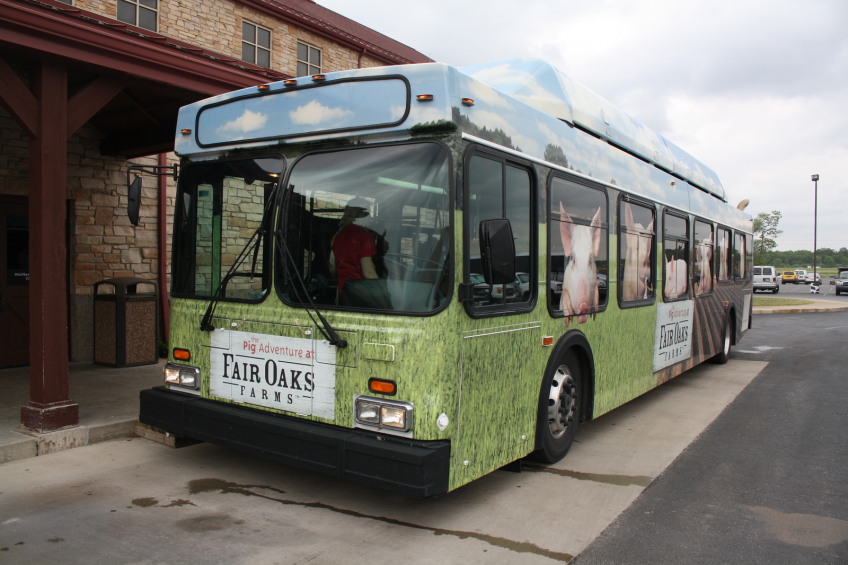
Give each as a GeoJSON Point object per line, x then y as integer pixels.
{"type": "Point", "coordinates": [248, 121]}
{"type": "Point", "coordinates": [316, 113]}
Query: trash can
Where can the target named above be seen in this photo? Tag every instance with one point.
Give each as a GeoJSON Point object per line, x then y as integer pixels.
{"type": "Point", "coordinates": [126, 323]}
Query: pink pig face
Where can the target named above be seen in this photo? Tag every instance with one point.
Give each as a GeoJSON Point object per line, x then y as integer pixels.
{"type": "Point", "coordinates": [580, 281]}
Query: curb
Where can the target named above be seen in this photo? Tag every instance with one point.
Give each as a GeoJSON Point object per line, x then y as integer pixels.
{"type": "Point", "coordinates": [33, 444]}
{"type": "Point", "coordinates": [796, 310]}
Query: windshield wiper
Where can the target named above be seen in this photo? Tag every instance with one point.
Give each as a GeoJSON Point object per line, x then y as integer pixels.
{"type": "Point", "coordinates": [262, 230]}
{"type": "Point", "coordinates": [327, 331]}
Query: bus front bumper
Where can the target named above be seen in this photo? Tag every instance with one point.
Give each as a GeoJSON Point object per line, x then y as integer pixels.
{"type": "Point", "coordinates": [414, 468]}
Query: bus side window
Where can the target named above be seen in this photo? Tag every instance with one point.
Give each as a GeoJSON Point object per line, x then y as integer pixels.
{"type": "Point", "coordinates": [724, 255]}
{"type": "Point", "coordinates": [578, 262]}
{"type": "Point", "coordinates": [636, 267]}
{"type": "Point", "coordinates": [739, 255]}
{"type": "Point", "coordinates": [675, 257]}
{"type": "Point", "coordinates": [703, 279]}
{"type": "Point", "coordinates": [749, 253]}
{"type": "Point", "coordinates": [497, 189]}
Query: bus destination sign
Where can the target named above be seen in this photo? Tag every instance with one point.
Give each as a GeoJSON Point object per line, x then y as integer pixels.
{"type": "Point", "coordinates": [673, 338]}
{"type": "Point", "coordinates": [274, 372]}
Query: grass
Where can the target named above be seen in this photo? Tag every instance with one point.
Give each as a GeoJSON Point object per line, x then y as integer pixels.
{"type": "Point", "coordinates": [769, 301]}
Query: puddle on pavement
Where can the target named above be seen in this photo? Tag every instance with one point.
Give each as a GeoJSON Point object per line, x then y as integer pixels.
{"type": "Point", "coordinates": [620, 480]}
{"type": "Point", "coordinates": [807, 530]}
{"type": "Point", "coordinates": [227, 487]}
{"type": "Point", "coordinates": [145, 502]}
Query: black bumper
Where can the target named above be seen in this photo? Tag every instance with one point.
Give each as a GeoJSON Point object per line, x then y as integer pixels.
{"type": "Point", "coordinates": [414, 468]}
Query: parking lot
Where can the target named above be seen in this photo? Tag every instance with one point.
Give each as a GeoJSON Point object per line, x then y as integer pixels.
{"type": "Point", "coordinates": [826, 292]}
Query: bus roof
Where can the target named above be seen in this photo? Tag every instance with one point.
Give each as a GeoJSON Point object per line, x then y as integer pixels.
{"type": "Point", "coordinates": [525, 105]}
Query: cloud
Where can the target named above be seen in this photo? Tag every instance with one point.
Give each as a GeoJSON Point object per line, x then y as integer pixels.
{"type": "Point", "coordinates": [249, 121]}
{"type": "Point", "coordinates": [316, 113]}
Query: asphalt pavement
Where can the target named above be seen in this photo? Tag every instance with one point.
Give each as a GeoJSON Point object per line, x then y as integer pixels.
{"type": "Point", "coordinates": [827, 291]}
{"type": "Point", "coordinates": [767, 481]}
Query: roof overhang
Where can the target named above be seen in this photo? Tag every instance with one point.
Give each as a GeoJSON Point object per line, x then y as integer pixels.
{"type": "Point", "coordinates": [161, 73]}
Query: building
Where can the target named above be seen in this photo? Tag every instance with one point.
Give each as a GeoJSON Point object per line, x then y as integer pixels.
{"type": "Point", "coordinates": [89, 87]}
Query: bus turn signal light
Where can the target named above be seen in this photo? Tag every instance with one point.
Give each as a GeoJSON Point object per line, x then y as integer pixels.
{"type": "Point", "coordinates": [381, 386]}
{"type": "Point", "coordinates": [547, 341]}
{"type": "Point", "coordinates": [182, 354]}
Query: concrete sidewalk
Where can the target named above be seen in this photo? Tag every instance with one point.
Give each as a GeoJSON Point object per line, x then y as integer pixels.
{"type": "Point", "coordinates": [817, 306]}
{"type": "Point", "coordinates": [108, 407]}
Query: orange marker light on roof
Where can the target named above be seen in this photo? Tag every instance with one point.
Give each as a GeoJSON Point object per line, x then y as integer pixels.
{"type": "Point", "coordinates": [424, 97]}
{"type": "Point", "coordinates": [468, 101]}
{"type": "Point", "coordinates": [182, 354]}
{"type": "Point", "coordinates": [318, 77]}
{"type": "Point", "coordinates": [263, 87]}
{"type": "Point", "coordinates": [185, 131]}
{"type": "Point", "coordinates": [291, 82]}
{"type": "Point", "coordinates": [382, 387]}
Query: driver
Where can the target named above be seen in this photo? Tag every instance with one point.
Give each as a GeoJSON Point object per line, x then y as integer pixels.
{"type": "Point", "coordinates": [352, 248]}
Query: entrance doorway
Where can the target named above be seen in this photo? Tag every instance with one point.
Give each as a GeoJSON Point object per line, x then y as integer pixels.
{"type": "Point", "coordinates": [14, 282]}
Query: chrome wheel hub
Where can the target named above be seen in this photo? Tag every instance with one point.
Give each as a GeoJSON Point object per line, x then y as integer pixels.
{"type": "Point", "coordinates": [562, 402]}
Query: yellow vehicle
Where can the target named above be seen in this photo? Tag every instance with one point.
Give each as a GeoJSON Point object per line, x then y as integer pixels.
{"type": "Point", "coordinates": [789, 277]}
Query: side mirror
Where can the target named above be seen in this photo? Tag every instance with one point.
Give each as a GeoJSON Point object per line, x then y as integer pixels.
{"type": "Point", "coordinates": [134, 200]}
{"type": "Point", "coordinates": [497, 251]}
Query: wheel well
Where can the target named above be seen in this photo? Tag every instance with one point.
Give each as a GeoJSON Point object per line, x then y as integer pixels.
{"type": "Point", "coordinates": [576, 341]}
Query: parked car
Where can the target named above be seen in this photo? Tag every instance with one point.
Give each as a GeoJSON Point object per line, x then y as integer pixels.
{"type": "Point", "coordinates": [512, 291]}
{"type": "Point", "coordinates": [842, 282]}
{"type": "Point", "coordinates": [801, 276]}
{"type": "Point", "coordinates": [789, 277]}
{"type": "Point", "coordinates": [810, 278]}
{"type": "Point", "coordinates": [765, 278]}
{"type": "Point", "coordinates": [523, 280]}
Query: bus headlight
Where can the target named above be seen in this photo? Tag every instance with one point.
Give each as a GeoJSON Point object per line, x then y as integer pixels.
{"type": "Point", "coordinates": [381, 413]}
{"type": "Point", "coordinates": [181, 375]}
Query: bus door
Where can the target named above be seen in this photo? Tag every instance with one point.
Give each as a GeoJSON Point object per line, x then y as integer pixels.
{"type": "Point", "coordinates": [494, 426]}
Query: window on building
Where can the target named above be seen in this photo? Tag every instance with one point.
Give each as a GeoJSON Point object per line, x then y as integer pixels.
{"type": "Point", "coordinates": [636, 252]}
{"type": "Point", "coordinates": [68, 2]}
{"type": "Point", "coordinates": [703, 279]}
{"type": "Point", "coordinates": [255, 44]}
{"type": "Point", "coordinates": [308, 60]}
{"type": "Point", "coordinates": [141, 13]}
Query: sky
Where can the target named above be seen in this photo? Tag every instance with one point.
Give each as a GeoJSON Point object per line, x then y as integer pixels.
{"type": "Point", "coordinates": [756, 90]}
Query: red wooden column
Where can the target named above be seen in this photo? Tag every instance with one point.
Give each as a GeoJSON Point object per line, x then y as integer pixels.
{"type": "Point", "coordinates": [50, 406]}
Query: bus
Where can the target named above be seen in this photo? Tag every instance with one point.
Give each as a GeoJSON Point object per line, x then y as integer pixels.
{"type": "Point", "coordinates": [411, 276]}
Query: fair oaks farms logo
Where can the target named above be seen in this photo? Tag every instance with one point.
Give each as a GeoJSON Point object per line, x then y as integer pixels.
{"type": "Point", "coordinates": [274, 372]}
{"type": "Point", "coordinates": [673, 337]}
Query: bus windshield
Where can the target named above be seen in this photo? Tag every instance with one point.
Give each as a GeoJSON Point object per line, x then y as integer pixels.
{"type": "Point", "coordinates": [219, 207]}
{"type": "Point", "coordinates": [370, 228]}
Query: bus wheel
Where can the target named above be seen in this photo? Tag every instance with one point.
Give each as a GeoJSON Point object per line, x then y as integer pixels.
{"type": "Point", "coordinates": [562, 406]}
{"type": "Point", "coordinates": [726, 339]}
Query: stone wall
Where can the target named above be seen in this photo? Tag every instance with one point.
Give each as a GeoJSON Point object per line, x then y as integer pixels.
{"type": "Point", "coordinates": [103, 244]}
{"type": "Point", "coordinates": [216, 25]}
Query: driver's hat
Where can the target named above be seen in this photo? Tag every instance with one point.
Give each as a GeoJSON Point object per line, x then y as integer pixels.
{"type": "Point", "coordinates": [360, 204]}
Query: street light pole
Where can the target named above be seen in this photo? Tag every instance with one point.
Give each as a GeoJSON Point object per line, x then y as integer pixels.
{"type": "Point", "coordinates": [815, 222]}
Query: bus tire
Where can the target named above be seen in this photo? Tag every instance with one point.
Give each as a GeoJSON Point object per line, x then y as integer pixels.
{"type": "Point", "coordinates": [726, 341]}
{"type": "Point", "coordinates": [562, 407]}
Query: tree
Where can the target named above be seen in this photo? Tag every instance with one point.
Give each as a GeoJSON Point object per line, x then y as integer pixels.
{"type": "Point", "coordinates": [765, 230]}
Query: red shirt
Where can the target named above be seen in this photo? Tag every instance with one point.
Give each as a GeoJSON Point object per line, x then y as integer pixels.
{"type": "Point", "coordinates": [350, 246]}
